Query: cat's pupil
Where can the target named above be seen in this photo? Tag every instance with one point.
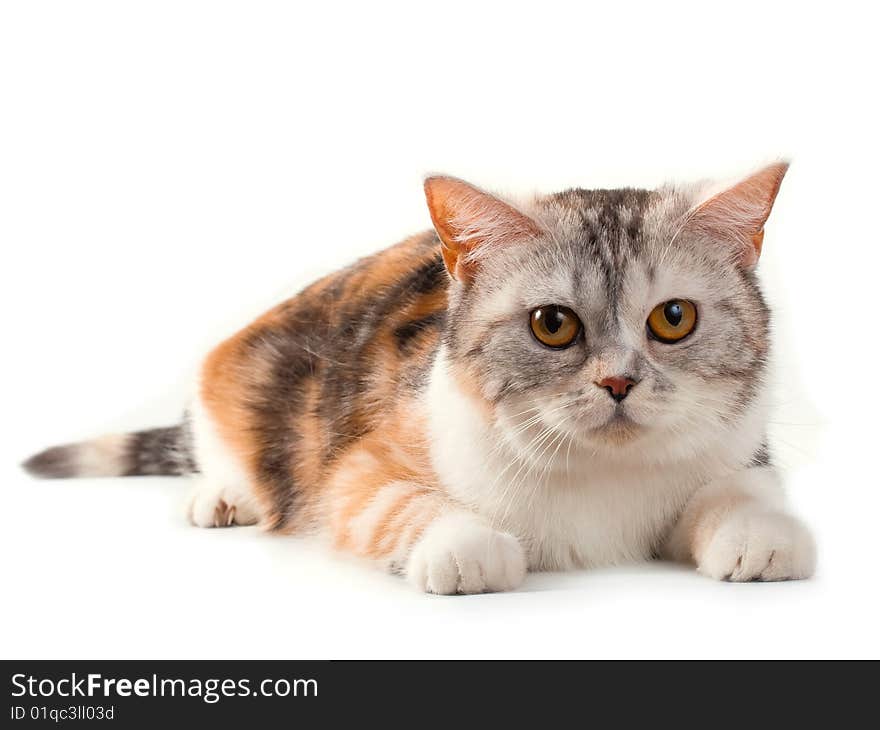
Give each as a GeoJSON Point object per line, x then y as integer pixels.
{"type": "Point", "coordinates": [553, 320]}
{"type": "Point", "coordinates": [672, 312]}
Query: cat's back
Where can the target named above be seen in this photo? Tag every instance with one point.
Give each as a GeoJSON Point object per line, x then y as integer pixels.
{"type": "Point", "coordinates": [316, 373]}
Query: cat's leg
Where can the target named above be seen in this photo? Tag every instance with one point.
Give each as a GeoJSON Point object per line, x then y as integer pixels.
{"type": "Point", "coordinates": [413, 528]}
{"type": "Point", "coordinates": [221, 494]}
{"type": "Point", "coordinates": [735, 529]}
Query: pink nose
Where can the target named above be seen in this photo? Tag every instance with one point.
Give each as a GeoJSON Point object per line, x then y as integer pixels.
{"type": "Point", "coordinates": [618, 386]}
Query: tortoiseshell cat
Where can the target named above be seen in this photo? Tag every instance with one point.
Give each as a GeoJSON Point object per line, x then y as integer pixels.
{"type": "Point", "coordinates": [576, 381]}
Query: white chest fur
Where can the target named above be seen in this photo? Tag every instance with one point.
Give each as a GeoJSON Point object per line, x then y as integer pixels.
{"type": "Point", "coordinates": [576, 510]}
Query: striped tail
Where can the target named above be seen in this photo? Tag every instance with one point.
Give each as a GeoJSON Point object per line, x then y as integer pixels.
{"type": "Point", "coordinates": [157, 451]}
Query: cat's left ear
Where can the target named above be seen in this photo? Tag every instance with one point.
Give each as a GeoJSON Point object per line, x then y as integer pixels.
{"type": "Point", "coordinates": [471, 222]}
{"type": "Point", "coordinates": [739, 213]}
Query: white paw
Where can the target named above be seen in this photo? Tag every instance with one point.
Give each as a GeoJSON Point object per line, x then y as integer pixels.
{"type": "Point", "coordinates": [212, 506]}
{"type": "Point", "coordinates": [758, 545]}
{"type": "Point", "coordinates": [458, 553]}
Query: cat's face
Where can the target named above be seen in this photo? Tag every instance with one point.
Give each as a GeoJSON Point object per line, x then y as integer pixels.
{"type": "Point", "coordinates": [623, 321]}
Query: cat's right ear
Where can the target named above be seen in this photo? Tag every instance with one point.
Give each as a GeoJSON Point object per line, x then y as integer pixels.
{"type": "Point", "coordinates": [739, 212]}
{"type": "Point", "coordinates": [470, 222]}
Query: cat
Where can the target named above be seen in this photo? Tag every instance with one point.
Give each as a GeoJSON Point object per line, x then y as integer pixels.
{"type": "Point", "coordinates": [576, 381]}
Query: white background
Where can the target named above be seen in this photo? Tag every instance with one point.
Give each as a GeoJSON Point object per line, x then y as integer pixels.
{"type": "Point", "coordinates": [170, 169]}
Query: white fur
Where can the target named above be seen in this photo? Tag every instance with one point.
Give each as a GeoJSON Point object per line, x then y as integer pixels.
{"type": "Point", "coordinates": [757, 543]}
{"type": "Point", "coordinates": [102, 457]}
{"type": "Point", "coordinates": [581, 508]}
{"type": "Point", "coordinates": [221, 476]}
{"type": "Point", "coordinates": [460, 553]}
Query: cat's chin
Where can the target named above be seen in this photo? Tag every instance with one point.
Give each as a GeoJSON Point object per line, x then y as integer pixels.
{"type": "Point", "coordinates": [617, 430]}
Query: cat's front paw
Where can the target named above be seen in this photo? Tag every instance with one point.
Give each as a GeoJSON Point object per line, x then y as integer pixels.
{"type": "Point", "coordinates": [458, 553]}
{"type": "Point", "coordinates": [759, 545]}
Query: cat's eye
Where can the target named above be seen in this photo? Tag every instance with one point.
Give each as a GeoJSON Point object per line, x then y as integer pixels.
{"type": "Point", "coordinates": [673, 320]}
{"type": "Point", "coordinates": [555, 326]}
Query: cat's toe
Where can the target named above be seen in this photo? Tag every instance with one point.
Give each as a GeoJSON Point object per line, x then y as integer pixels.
{"type": "Point", "coordinates": [460, 554]}
{"type": "Point", "coordinates": [211, 507]}
{"type": "Point", "coordinates": [759, 546]}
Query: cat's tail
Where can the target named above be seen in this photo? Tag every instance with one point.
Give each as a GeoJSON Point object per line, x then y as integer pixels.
{"type": "Point", "coordinates": [156, 451]}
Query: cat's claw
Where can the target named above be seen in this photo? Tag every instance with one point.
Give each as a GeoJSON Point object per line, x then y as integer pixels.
{"type": "Point", "coordinates": [757, 545]}
{"type": "Point", "coordinates": [211, 507]}
{"type": "Point", "coordinates": [460, 554]}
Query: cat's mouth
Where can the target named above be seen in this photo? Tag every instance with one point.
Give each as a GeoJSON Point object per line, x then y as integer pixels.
{"type": "Point", "coordinates": [618, 427]}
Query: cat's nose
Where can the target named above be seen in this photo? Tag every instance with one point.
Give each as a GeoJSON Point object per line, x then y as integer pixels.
{"type": "Point", "coordinates": [618, 386]}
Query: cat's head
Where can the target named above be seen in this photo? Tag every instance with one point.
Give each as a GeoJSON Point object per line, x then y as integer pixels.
{"type": "Point", "coordinates": [628, 321]}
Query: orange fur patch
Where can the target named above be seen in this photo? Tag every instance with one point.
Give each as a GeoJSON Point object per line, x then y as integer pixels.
{"type": "Point", "coordinates": [239, 375]}
{"type": "Point", "coordinates": [393, 454]}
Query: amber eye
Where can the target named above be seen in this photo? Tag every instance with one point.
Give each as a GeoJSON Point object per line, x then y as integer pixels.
{"type": "Point", "coordinates": [555, 326]}
{"type": "Point", "coordinates": [673, 320]}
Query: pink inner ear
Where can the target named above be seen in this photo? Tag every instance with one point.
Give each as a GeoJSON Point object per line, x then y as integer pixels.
{"type": "Point", "coordinates": [471, 222]}
{"type": "Point", "coordinates": [740, 212]}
